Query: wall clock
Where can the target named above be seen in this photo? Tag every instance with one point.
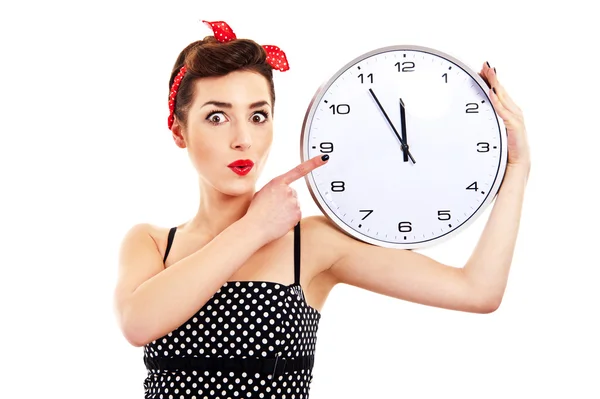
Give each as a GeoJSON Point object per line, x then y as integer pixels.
{"type": "Point", "coordinates": [417, 151]}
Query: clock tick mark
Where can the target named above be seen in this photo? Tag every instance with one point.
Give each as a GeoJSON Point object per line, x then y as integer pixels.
{"type": "Point", "coordinates": [359, 226]}
{"type": "Point", "coordinates": [359, 67]}
{"type": "Point", "coordinates": [449, 225]}
{"type": "Point", "coordinates": [325, 101]}
{"type": "Point", "coordinates": [405, 237]}
{"type": "Point", "coordinates": [483, 192]}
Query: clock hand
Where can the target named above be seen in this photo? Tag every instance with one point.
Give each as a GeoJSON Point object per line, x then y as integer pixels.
{"type": "Point", "coordinates": [403, 124]}
{"type": "Point", "coordinates": [404, 145]}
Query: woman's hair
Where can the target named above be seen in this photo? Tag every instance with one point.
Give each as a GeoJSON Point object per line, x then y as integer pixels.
{"type": "Point", "coordinates": [208, 58]}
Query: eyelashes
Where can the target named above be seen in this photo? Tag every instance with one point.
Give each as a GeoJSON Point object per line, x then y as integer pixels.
{"type": "Point", "coordinates": [217, 117]}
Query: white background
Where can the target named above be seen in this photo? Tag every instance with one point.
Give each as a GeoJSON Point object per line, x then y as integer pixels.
{"type": "Point", "coordinates": [85, 153]}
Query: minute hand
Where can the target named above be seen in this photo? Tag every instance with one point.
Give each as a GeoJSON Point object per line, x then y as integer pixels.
{"type": "Point", "coordinates": [404, 145]}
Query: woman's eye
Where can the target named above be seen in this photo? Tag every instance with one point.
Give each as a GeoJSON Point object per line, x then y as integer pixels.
{"type": "Point", "coordinates": [216, 117]}
{"type": "Point", "coordinates": [259, 117]}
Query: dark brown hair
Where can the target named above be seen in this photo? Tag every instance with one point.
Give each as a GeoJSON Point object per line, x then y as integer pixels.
{"type": "Point", "coordinates": [208, 58]}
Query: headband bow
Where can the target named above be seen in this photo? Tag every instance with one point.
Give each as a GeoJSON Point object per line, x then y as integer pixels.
{"type": "Point", "coordinates": [275, 57]}
{"type": "Point", "coordinates": [223, 33]}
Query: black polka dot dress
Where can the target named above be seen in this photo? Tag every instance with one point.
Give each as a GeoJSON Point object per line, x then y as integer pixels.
{"type": "Point", "coordinates": [252, 339]}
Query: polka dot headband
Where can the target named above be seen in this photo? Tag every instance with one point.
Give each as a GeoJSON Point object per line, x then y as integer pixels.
{"type": "Point", "coordinates": [223, 33]}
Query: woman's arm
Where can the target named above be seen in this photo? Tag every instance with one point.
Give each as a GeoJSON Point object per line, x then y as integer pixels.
{"type": "Point", "coordinates": [488, 267]}
{"type": "Point", "coordinates": [150, 301]}
{"type": "Point", "coordinates": [478, 287]}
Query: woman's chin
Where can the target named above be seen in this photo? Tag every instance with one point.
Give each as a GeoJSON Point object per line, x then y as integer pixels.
{"type": "Point", "coordinates": [237, 188]}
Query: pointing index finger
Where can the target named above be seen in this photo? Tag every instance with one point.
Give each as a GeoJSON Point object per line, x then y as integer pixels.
{"type": "Point", "coordinates": [303, 169]}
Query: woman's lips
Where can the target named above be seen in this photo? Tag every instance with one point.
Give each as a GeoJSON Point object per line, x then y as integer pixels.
{"type": "Point", "coordinates": [241, 170]}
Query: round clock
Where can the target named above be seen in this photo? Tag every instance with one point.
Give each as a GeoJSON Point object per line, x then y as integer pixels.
{"type": "Point", "coordinates": [417, 151]}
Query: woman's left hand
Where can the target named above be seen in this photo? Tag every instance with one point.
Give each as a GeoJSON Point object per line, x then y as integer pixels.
{"type": "Point", "coordinates": [511, 114]}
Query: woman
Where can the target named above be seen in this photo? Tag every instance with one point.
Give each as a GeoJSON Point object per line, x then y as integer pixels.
{"type": "Point", "coordinates": [219, 303]}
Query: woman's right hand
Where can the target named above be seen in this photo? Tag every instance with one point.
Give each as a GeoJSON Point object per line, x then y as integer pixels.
{"type": "Point", "coordinates": [275, 209]}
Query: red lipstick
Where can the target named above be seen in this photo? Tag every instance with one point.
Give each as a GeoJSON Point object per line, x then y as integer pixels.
{"type": "Point", "coordinates": [242, 166]}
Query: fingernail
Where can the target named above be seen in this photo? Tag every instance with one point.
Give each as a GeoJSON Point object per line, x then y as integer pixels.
{"type": "Point", "coordinates": [494, 89]}
{"type": "Point", "coordinates": [325, 157]}
{"type": "Point", "coordinates": [488, 64]}
{"type": "Point", "coordinates": [495, 71]}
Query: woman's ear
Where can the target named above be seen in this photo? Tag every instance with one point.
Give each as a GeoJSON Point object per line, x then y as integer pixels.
{"type": "Point", "coordinates": [178, 134]}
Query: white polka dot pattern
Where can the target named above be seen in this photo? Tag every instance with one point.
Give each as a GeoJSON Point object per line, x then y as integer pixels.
{"type": "Point", "coordinates": [242, 319]}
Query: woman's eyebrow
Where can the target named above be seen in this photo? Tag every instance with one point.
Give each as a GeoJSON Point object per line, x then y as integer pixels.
{"type": "Point", "coordinates": [222, 104]}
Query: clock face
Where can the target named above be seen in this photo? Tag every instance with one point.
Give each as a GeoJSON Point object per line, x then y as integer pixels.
{"type": "Point", "coordinates": [373, 189]}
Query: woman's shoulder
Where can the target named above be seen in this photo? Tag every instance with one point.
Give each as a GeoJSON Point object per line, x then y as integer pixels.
{"type": "Point", "coordinates": [144, 229]}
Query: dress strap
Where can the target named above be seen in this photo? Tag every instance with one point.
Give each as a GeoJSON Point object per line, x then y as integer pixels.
{"type": "Point", "coordinates": [297, 253]}
{"type": "Point", "coordinates": [169, 242]}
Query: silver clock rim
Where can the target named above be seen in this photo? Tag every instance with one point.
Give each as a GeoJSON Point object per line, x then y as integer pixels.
{"type": "Point", "coordinates": [341, 224]}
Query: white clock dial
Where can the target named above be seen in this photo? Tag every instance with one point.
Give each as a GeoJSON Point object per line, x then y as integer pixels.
{"type": "Point", "coordinates": [369, 187]}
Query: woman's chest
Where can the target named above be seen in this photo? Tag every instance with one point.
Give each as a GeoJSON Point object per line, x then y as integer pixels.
{"type": "Point", "coordinates": [245, 318]}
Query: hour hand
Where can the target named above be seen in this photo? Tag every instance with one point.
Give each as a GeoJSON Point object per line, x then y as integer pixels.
{"type": "Point", "coordinates": [404, 145]}
{"type": "Point", "coordinates": [403, 127]}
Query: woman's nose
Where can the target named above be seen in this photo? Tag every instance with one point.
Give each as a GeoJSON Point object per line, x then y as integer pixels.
{"type": "Point", "coordinates": [242, 139]}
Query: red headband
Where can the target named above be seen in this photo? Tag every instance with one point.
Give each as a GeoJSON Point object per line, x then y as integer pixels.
{"type": "Point", "coordinates": [223, 33]}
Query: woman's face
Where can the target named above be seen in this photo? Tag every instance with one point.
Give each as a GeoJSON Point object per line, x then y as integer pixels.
{"type": "Point", "coordinates": [230, 119]}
